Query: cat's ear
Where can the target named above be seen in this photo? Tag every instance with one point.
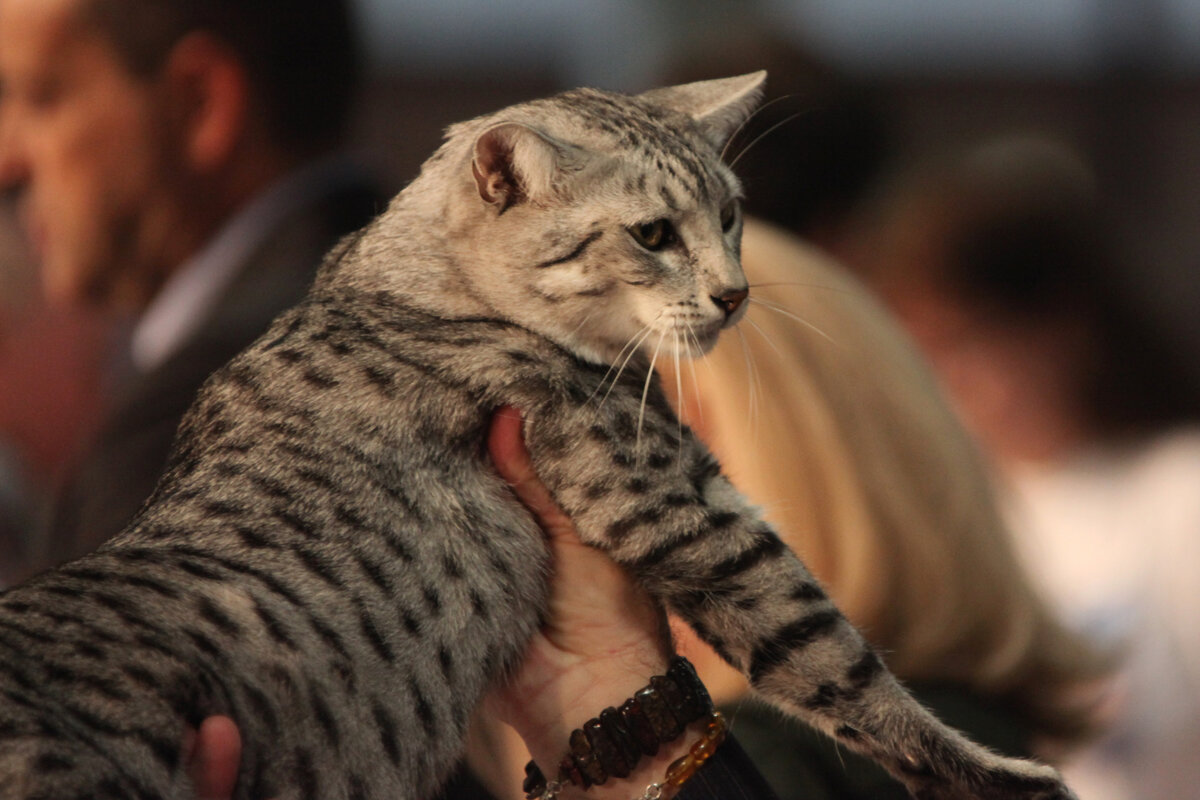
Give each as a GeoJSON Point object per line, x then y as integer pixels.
{"type": "Point", "coordinates": [514, 163]}
{"type": "Point", "coordinates": [718, 106]}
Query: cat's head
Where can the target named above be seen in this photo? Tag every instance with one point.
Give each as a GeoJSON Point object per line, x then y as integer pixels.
{"type": "Point", "coordinates": [608, 222]}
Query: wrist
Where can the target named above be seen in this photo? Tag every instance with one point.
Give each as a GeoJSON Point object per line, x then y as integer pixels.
{"type": "Point", "coordinates": [644, 738]}
{"type": "Point", "coordinates": [569, 691]}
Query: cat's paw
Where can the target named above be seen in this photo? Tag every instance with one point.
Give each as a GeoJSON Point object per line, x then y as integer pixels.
{"type": "Point", "coordinates": [994, 778]}
{"type": "Point", "coordinates": [1014, 779]}
{"type": "Point", "coordinates": [1051, 790]}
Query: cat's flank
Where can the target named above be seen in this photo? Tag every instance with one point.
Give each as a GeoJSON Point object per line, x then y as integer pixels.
{"type": "Point", "coordinates": [329, 558]}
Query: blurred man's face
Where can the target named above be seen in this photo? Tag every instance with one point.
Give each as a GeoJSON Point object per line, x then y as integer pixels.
{"type": "Point", "coordinates": [85, 151]}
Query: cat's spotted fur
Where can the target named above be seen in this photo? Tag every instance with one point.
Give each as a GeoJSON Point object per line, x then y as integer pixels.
{"type": "Point", "coordinates": [331, 560]}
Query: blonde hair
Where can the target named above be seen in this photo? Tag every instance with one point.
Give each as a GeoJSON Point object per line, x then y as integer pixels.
{"type": "Point", "coordinates": [825, 417]}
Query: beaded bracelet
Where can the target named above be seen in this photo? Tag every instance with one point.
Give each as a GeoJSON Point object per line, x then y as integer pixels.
{"type": "Point", "coordinates": [683, 768]}
{"type": "Point", "coordinates": [679, 772]}
{"type": "Point", "coordinates": [613, 743]}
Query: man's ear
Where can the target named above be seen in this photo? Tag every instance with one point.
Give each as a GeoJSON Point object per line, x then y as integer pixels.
{"type": "Point", "coordinates": [211, 93]}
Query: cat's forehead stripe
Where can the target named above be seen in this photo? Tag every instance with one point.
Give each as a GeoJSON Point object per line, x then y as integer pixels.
{"type": "Point", "coordinates": [655, 136]}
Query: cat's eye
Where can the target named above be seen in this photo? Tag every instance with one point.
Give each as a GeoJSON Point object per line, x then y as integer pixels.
{"type": "Point", "coordinates": [653, 235]}
{"type": "Point", "coordinates": [729, 216]}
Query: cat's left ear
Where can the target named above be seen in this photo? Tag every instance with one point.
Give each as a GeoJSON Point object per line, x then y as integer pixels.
{"type": "Point", "coordinates": [718, 106]}
{"type": "Point", "coordinates": [514, 162]}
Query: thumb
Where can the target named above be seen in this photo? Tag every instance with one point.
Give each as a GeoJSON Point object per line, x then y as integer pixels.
{"type": "Point", "coordinates": [213, 765]}
{"type": "Point", "coordinates": [506, 444]}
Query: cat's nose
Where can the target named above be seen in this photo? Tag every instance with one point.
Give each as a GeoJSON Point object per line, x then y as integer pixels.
{"type": "Point", "coordinates": [731, 300]}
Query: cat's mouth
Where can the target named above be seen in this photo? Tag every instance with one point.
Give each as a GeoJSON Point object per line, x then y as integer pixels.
{"type": "Point", "coordinates": [684, 335]}
{"type": "Point", "coordinates": [692, 340]}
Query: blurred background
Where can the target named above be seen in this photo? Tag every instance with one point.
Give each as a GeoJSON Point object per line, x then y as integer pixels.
{"type": "Point", "coordinates": [1118, 79]}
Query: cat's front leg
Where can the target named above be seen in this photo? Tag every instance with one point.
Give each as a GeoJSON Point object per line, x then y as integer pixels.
{"type": "Point", "coordinates": [639, 486]}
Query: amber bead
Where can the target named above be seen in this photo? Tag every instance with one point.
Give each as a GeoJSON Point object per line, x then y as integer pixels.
{"type": "Point", "coordinates": [684, 674]}
{"type": "Point", "coordinates": [585, 759]}
{"type": "Point", "coordinates": [680, 771]}
{"type": "Point", "coordinates": [568, 772]}
{"type": "Point", "coordinates": [666, 726]}
{"type": "Point", "coordinates": [674, 699]}
{"type": "Point", "coordinates": [634, 716]}
{"type": "Point", "coordinates": [695, 699]}
{"type": "Point", "coordinates": [619, 732]}
{"type": "Point", "coordinates": [610, 757]}
{"type": "Point", "coordinates": [535, 781]}
{"type": "Point", "coordinates": [717, 729]}
{"type": "Point", "coordinates": [703, 749]}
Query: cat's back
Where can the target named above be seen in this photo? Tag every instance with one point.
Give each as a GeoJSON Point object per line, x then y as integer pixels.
{"type": "Point", "coordinates": [328, 547]}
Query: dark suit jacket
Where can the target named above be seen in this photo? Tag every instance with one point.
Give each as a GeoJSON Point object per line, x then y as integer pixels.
{"type": "Point", "coordinates": [121, 468]}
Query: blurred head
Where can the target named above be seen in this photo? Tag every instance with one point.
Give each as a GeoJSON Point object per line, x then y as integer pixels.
{"type": "Point", "coordinates": [130, 129]}
{"type": "Point", "coordinates": [1002, 263]}
{"type": "Point", "coordinates": [826, 417]}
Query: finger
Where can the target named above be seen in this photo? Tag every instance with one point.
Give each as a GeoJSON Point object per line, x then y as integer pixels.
{"type": "Point", "coordinates": [506, 444]}
{"type": "Point", "coordinates": [214, 763]}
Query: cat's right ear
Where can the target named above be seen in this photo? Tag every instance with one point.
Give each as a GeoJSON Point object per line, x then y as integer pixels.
{"type": "Point", "coordinates": [719, 106]}
{"type": "Point", "coordinates": [514, 163]}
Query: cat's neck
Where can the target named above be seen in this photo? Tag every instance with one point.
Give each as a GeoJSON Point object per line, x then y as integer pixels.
{"type": "Point", "coordinates": [424, 248]}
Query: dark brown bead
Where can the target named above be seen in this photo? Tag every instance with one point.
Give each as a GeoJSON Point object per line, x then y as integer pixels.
{"type": "Point", "coordinates": [639, 726]}
{"type": "Point", "coordinates": [619, 732]}
{"type": "Point", "coordinates": [585, 759]}
{"type": "Point", "coordinates": [569, 773]}
{"type": "Point", "coordinates": [674, 699]}
{"type": "Point", "coordinates": [685, 677]}
{"type": "Point", "coordinates": [535, 782]}
{"type": "Point", "coordinates": [666, 726]}
{"type": "Point", "coordinates": [611, 759]}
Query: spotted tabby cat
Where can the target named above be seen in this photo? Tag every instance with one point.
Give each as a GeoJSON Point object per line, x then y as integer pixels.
{"type": "Point", "coordinates": [330, 559]}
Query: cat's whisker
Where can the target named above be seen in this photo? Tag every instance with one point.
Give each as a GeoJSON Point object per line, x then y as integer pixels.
{"type": "Point", "coordinates": [586, 318]}
{"type": "Point", "coordinates": [627, 352]}
{"type": "Point", "coordinates": [764, 134]}
{"type": "Point", "coordinates": [800, 285]}
{"type": "Point", "coordinates": [763, 334]}
{"type": "Point", "coordinates": [778, 309]}
{"type": "Point", "coordinates": [738, 130]}
{"type": "Point", "coordinates": [678, 393]}
{"type": "Point", "coordinates": [637, 448]}
{"type": "Point", "coordinates": [696, 377]}
{"type": "Point", "coordinates": [753, 387]}
{"type": "Point", "coordinates": [695, 340]}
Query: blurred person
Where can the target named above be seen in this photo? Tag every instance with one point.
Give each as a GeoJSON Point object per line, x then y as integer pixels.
{"type": "Point", "coordinates": [175, 160]}
{"type": "Point", "coordinates": [824, 414]}
{"type": "Point", "coordinates": [1000, 262]}
{"type": "Point", "coordinates": [51, 376]}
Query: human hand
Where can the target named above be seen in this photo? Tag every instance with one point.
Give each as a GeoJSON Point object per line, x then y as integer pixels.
{"type": "Point", "coordinates": [604, 636]}
{"type": "Point", "coordinates": [212, 754]}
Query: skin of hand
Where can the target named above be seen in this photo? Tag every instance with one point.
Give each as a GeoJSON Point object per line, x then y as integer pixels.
{"type": "Point", "coordinates": [212, 754]}
{"type": "Point", "coordinates": [603, 640]}
{"type": "Point", "coordinates": [604, 636]}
